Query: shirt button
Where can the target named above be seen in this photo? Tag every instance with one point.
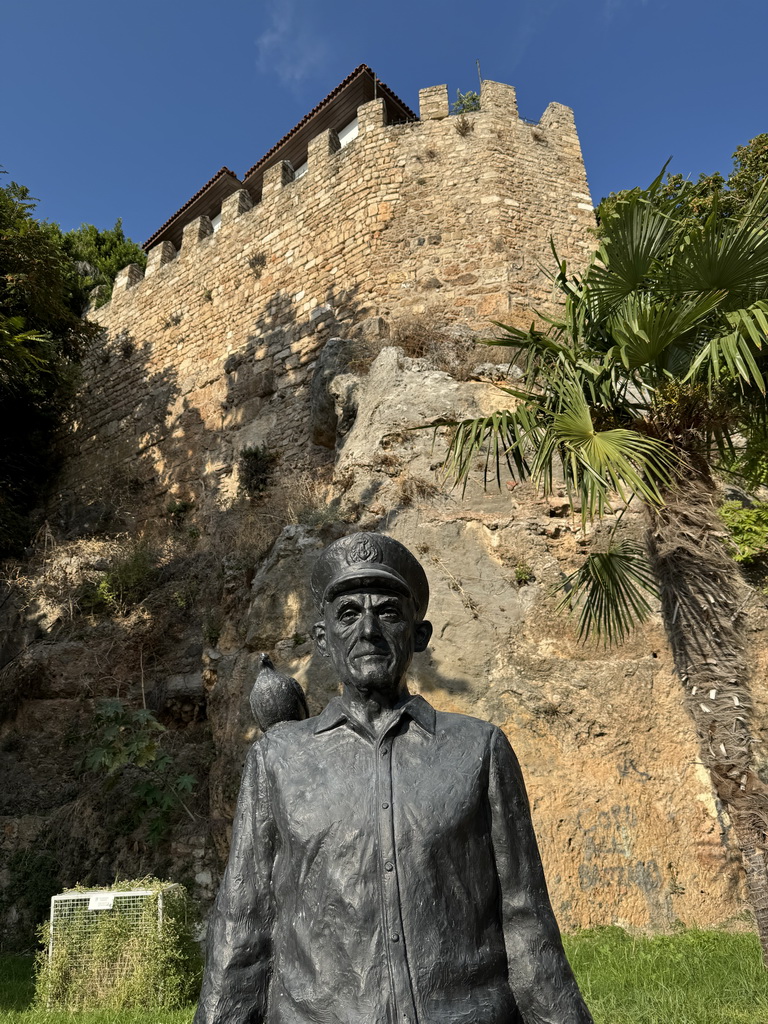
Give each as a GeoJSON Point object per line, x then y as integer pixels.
{"type": "Point", "coordinates": [389, 866]}
{"type": "Point", "coordinates": [385, 805]}
{"type": "Point", "coordinates": [384, 751]}
{"type": "Point", "coordinates": [395, 938]}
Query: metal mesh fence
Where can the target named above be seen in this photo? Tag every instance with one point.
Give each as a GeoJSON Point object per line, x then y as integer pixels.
{"type": "Point", "coordinates": [110, 946]}
{"type": "Point", "coordinates": [79, 917]}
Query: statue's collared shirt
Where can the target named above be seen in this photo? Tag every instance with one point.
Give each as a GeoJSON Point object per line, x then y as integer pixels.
{"type": "Point", "coordinates": [388, 879]}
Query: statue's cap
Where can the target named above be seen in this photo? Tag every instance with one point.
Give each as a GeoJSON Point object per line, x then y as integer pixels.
{"type": "Point", "coordinates": [369, 560]}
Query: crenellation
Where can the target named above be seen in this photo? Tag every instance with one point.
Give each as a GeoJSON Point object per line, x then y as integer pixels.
{"type": "Point", "coordinates": [275, 179]}
{"type": "Point", "coordinates": [433, 103]}
{"type": "Point", "coordinates": [127, 278]}
{"type": "Point", "coordinates": [195, 232]}
{"type": "Point", "coordinates": [319, 152]}
{"type": "Point", "coordinates": [370, 116]}
{"type": "Point", "coordinates": [499, 99]}
{"type": "Point", "coordinates": [561, 118]}
{"type": "Point", "coordinates": [404, 220]}
{"type": "Point", "coordinates": [158, 256]}
{"type": "Point", "coordinates": [235, 206]}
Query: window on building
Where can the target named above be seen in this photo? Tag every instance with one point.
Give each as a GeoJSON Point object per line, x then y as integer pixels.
{"type": "Point", "coordinates": [348, 132]}
{"type": "Point", "coordinates": [300, 170]}
{"type": "Point", "coordinates": [216, 221]}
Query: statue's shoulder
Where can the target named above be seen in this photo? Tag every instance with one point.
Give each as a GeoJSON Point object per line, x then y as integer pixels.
{"type": "Point", "coordinates": [466, 726]}
{"type": "Point", "coordinates": [284, 736]}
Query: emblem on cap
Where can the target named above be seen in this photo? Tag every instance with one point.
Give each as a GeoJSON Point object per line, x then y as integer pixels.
{"type": "Point", "coordinates": [364, 550]}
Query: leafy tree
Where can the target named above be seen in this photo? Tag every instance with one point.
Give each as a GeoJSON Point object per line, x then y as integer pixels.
{"type": "Point", "coordinates": [42, 338]}
{"type": "Point", "coordinates": [129, 740]}
{"type": "Point", "coordinates": [46, 277]}
{"type": "Point", "coordinates": [730, 196]}
{"type": "Point", "coordinates": [466, 102]}
{"type": "Point", "coordinates": [97, 257]}
{"type": "Point", "coordinates": [37, 278]}
{"type": "Point", "coordinates": [649, 382]}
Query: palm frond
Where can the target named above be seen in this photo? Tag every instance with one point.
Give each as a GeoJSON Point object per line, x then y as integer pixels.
{"type": "Point", "coordinates": [644, 327]}
{"type": "Point", "coordinates": [635, 235]}
{"type": "Point", "coordinates": [503, 437]}
{"type": "Point", "coordinates": [611, 591]}
{"type": "Point", "coordinates": [596, 462]}
{"type": "Point", "coordinates": [735, 353]}
{"type": "Point", "coordinates": [724, 254]}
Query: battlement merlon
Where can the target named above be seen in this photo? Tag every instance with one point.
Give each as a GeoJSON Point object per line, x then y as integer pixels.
{"type": "Point", "coordinates": [554, 137]}
{"type": "Point", "coordinates": [158, 256]}
{"type": "Point", "coordinates": [499, 99]}
{"type": "Point", "coordinates": [433, 103]}
{"type": "Point", "coordinates": [236, 205]}
{"type": "Point", "coordinates": [126, 279]}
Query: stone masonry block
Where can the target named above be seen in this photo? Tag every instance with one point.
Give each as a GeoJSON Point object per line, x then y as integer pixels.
{"type": "Point", "coordinates": [559, 117]}
{"type": "Point", "coordinates": [320, 150]}
{"type": "Point", "coordinates": [127, 278]}
{"type": "Point", "coordinates": [498, 98]}
{"type": "Point", "coordinates": [158, 256]}
{"type": "Point", "coordinates": [433, 102]}
{"type": "Point", "coordinates": [370, 115]}
{"type": "Point", "coordinates": [196, 231]}
{"type": "Point", "coordinates": [235, 205]}
{"type": "Point", "coordinates": [275, 177]}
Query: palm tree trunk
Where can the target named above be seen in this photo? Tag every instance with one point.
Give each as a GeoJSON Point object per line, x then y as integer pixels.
{"type": "Point", "coordinates": [703, 595]}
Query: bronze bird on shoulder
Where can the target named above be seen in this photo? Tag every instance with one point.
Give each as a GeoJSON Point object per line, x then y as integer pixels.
{"type": "Point", "coordinates": [276, 698]}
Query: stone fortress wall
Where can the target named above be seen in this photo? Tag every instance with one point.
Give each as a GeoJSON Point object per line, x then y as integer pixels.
{"type": "Point", "coordinates": [214, 346]}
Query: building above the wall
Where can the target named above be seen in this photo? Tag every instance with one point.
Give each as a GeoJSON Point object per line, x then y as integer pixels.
{"type": "Point", "coordinates": [336, 113]}
{"type": "Point", "coordinates": [446, 220]}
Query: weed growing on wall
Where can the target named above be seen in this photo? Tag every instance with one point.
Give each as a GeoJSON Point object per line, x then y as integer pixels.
{"type": "Point", "coordinates": [176, 512]}
{"type": "Point", "coordinates": [123, 957]}
{"type": "Point", "coordinates": [523, 573]}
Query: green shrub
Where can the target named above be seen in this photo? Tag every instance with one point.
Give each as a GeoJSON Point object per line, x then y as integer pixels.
{"type": "Point", "coordinates": [177, 511]}
{"type": "Point", "coordinates": [121, 958]}
{"type": "Point", "coordinates": [255, 467]}
{"type": "Point", "coordinates": [127, 582]}
{"type": "Point", "coordinates": [125, 742]}
{"type": "Point", "coordinates": [748, 526]}
{"type": "Point", "coordinates": [523, 574]}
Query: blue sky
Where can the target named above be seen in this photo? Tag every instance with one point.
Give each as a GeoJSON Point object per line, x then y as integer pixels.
{"type": "Point", "coordinates": [124, 110]}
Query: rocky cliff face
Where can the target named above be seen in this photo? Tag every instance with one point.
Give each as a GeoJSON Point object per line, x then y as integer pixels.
{"type": "Point", "coordinates": [630, 830]}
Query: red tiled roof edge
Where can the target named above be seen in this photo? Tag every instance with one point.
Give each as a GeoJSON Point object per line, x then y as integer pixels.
{"type": "Point", "coordinates": [217, 175]}
{"type": "Point", "coordinates": [360, 70]}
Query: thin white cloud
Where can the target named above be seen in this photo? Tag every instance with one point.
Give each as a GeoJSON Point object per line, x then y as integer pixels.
{"type": "Point", "coordinates": [290, 46]}
{"type": "Point", "coordinates": [532, 16]}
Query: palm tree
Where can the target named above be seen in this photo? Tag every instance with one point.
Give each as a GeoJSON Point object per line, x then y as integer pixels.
{"type": "Point", "coordinates": [648, 383]}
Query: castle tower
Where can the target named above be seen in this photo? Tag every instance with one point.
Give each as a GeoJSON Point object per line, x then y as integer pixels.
{"type": "Point", "coordinates": [362, 215]}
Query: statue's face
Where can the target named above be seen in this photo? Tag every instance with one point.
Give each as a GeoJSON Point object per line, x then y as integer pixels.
{"type": "Point", "coordinates": [371, 636]}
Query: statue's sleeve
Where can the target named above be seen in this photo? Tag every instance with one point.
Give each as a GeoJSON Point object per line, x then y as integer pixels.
{"type": "Point", "coordinates": [239, 943]}
{"type": "Point", "coordinates": [539, 974]}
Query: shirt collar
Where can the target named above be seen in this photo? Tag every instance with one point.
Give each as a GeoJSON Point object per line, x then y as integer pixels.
{"type": "Point", "coordinates": [415, 707]}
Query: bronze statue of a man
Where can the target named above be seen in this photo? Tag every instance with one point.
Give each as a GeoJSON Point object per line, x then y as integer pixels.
{"type": "Point", "coordinates": [383, 867]}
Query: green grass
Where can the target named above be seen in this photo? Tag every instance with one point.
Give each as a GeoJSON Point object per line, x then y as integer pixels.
{"type": "Point", "coordinates": [17, 990]}
{"type": "Point", "coordinates": [689, 978]}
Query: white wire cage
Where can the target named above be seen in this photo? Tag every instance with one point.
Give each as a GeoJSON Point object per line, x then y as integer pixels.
{"type": "Point", "coordinates": [107, 931]}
